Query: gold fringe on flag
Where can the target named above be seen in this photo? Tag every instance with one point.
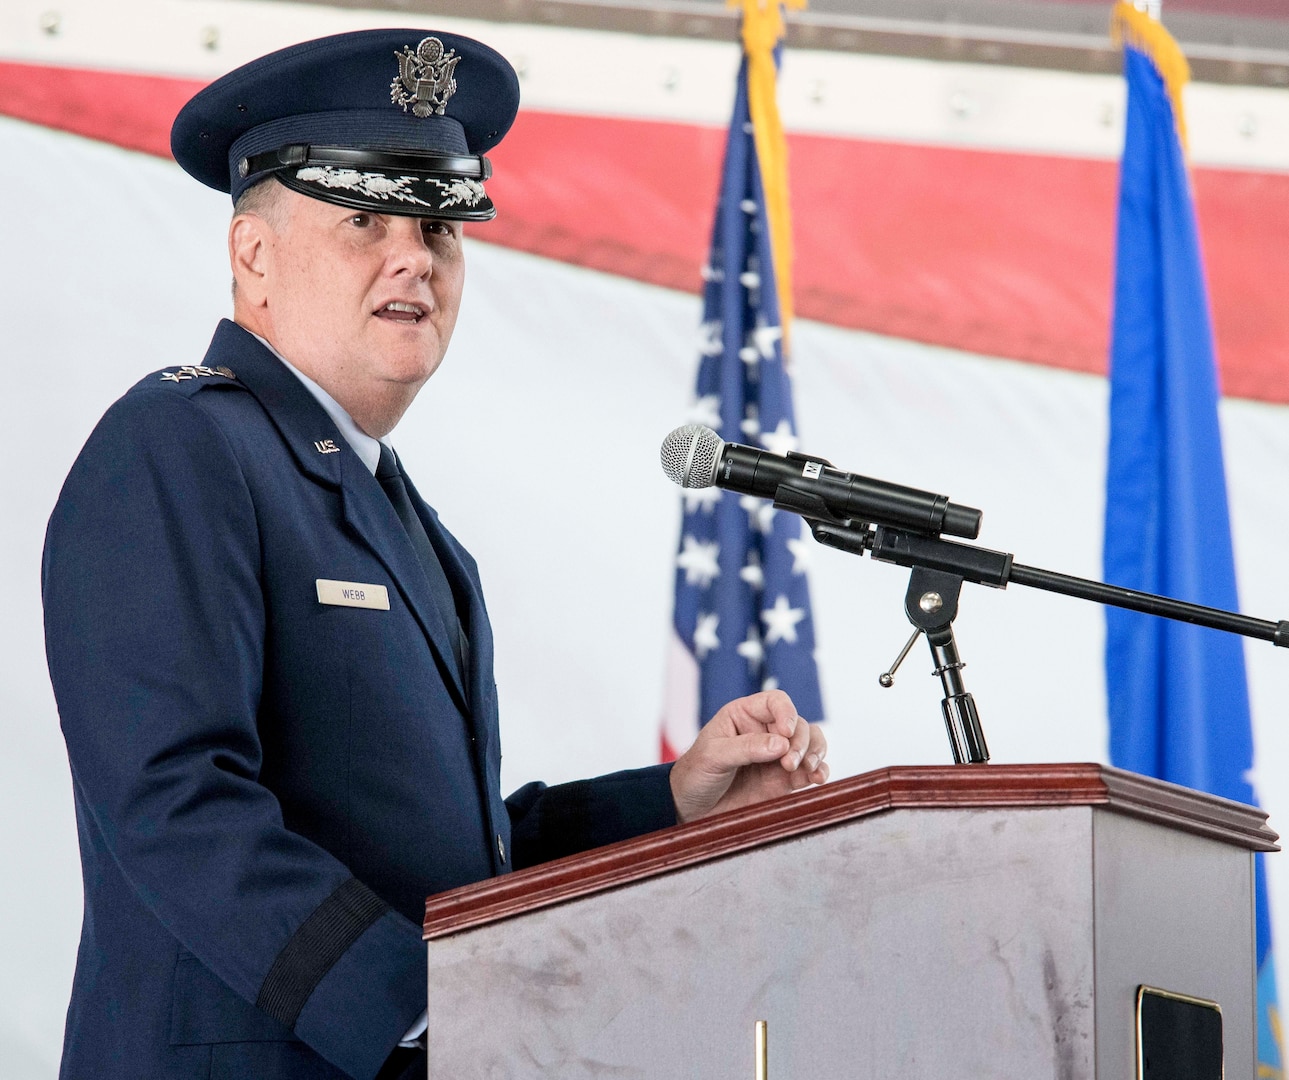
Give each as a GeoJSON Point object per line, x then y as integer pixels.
{"type": "Point", "coordinates": [762, 30]}
{"type": "Point", "coordinates": [1129, 25]}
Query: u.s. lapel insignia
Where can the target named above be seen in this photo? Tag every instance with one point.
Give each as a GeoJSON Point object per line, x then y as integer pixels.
{"type": "Point", "coordinates": [425, 78]}
{"type": "Point", "coordinates": [326, 446]}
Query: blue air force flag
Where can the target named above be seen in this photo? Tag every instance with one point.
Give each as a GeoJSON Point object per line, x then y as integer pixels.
{"type": "Point", "coordinates": [1178, 699]}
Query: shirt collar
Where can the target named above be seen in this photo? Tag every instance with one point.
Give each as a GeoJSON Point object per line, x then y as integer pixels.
{"type": "Point", "coordinates": [367, 448]}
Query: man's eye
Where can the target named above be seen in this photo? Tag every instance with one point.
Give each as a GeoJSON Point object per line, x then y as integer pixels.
{"type": "Point", "coordinates": [438, 228]}
{"type": "Point", "coordinates": [360, 221]}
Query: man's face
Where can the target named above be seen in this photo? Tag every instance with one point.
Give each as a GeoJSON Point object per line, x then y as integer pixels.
{"type": "Point", "coordinates": [363, 303]}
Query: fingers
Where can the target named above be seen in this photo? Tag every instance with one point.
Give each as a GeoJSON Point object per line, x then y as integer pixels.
{"type": "Point", "coordinates": [816, 751]}
{"type": "Point", "coordinates": [770, 710]}
{"type": "Point", "coordinates": [811, 767]}
{"type": "Point", "coordinates": [783, 713]}
{"type": "Point", "coordinates": [753, 749]}
{"type": "Point", "coordinates": [726, 755]}
{"type": "Point", "coordinates": [798, 744]}
{"type": "Point", "coordinates": [773, 712]}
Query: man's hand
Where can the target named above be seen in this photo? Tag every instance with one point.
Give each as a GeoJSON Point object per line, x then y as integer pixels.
{"type": "Point", "coordinates": [755, 748]}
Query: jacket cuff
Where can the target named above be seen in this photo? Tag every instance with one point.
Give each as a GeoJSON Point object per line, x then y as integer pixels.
{"type": "Point", "coordinates": [371, 995]}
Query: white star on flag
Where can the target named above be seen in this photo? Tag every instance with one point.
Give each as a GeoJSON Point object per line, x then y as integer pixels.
{"type": "Point", "coordinates": [751, 422]}
{"type": "Point", "coordinates": [770, 684]}
{"type": "Point", "coordinates": [760, 513]}
{"type": "Point", "coordinates": [752, 572]}
{"type": "Point", "coordinates": [765, 337]}
{"type": "Point", "coordinates": [704, 499]}
{"type": "Point", "coordinates": [749, 279]}
{"type": "Point", "coordinates": [749, 355]}
{"type": "Point", "coordinates": [705, 639]}
{"type": "Point", "coordinates": [781, 621]}
{"type": "Point", "coordinates": [698, 560]}
{"type": "Point", "coordinates": [707, 411]}
{"type": "Point", "coordinates": [750, 649]}
{"type": "Point", "coordinates": [800, 548]}
{"type": "Point", "coordinates": [709, 338]}
{"type": "Point", "coordinates": [748, 206]}
{"type": "Point", "coordinates": [781, 440]}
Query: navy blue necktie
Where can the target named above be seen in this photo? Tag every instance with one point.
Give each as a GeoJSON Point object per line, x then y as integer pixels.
{"type": "Point", "coordinates": [390, 476]}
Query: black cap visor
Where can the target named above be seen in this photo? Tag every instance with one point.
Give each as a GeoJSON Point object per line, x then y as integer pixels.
{"type": "Point", "coordinates": [410, 184]}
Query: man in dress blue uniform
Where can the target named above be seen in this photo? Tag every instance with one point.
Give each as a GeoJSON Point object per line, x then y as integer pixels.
{"type": "Point", "coordinates": [273, 664]}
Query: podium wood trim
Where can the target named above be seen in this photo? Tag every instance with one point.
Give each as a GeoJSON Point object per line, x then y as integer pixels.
{"type": "Point", "coordinates": [899, 787]}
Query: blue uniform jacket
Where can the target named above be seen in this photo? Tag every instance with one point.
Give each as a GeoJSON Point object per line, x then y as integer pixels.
{"type": "Point", "coordinates": [267, 786]}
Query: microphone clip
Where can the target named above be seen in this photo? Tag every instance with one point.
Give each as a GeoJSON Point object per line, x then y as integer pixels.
{"type": "Point", "coordinates": [939, 568]}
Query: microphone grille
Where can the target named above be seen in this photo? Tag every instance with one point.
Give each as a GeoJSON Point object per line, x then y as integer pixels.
{"type": "Point", "coordinates": [689, 456]}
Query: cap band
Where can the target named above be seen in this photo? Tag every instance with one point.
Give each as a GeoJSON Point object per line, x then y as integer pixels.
{"type": "Point", "coordinates": [296, 155]}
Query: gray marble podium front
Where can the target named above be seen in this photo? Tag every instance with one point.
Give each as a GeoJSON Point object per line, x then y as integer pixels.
{"type": "Point", "coordinates": [930, 940]}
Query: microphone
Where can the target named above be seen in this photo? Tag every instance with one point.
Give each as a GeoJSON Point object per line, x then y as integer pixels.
{"type": "Point", "coordinates": [694, 456]}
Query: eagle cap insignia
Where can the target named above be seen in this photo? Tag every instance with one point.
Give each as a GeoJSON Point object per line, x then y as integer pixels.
{"type": "Point", "coordinates": [425, 78]}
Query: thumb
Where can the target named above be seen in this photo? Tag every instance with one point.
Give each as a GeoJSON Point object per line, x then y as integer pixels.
{"type": "Point", "coordinates": [728, 754]}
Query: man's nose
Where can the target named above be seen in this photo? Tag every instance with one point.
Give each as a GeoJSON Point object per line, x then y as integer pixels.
{"type": "Point", "coordinates": [411, 252]}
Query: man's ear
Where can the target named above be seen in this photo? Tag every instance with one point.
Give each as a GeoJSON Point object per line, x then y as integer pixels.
{"type": "Point", "coordinates": [249, 254]}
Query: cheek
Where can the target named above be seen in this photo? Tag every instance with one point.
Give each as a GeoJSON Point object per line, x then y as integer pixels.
{"type": "Point", "coordinates": [318, 299]}
{"type": "Point", "coordinates": [296, 282]}
{"type": "Point", "coordinates": [451, 286]}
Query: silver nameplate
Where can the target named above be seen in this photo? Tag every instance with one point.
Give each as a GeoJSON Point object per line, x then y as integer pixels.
{"type": "Point", "coordinates": [353, 594]}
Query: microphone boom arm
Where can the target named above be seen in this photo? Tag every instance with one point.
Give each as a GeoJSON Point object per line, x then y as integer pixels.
{"type": "Point", "coordinates": [939, 567]}
{"type": "Point", "coordinates": [998, 569]}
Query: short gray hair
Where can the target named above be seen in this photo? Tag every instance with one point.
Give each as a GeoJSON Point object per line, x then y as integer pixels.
{"type": "Point", "coordinates": [263, 200]}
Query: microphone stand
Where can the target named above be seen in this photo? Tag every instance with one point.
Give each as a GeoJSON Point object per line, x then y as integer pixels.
{"type": "Point", "coordinates": [939, 568]}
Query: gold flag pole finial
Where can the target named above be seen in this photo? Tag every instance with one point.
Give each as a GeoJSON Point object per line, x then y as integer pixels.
{"type": "Point", "coordinates": [1132, 24]}
{"type": "Point", "coordinates": [762, 30]}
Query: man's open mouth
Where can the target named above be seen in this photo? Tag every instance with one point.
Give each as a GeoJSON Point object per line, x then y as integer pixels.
{"type": "Point", "coordinates": [398, 311]}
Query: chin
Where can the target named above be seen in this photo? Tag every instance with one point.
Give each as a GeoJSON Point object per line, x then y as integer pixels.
{"type": "Point", "coordinates": [408, 361]}
{"type": "Point", "coordinates": [413, 373]}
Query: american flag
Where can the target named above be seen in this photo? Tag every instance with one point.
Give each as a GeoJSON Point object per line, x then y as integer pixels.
{"type": "Point", "coordinates": [742, 616]}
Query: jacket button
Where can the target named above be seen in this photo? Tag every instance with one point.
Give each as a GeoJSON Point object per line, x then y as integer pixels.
{"type": "Point", "coordinates": [501, 847]}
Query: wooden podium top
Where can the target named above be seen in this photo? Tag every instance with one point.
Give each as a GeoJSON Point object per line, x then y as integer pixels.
{"type": "Point", "coordinates": [899, 787]}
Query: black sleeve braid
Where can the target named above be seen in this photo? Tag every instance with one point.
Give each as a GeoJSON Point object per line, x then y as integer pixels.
{"type": "Point", "coordinates": [314, 948]}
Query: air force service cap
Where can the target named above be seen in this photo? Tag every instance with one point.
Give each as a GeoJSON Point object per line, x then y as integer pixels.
{"type": "Point", "coordinates": [395, 121]}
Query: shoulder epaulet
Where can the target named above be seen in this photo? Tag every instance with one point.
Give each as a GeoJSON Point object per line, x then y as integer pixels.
{"type": "Point", "coordinates": [193, 376]}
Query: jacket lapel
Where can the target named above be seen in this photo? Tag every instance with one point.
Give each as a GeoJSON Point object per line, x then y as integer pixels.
{"type": "Point", "coordinates": [370, 513]}
{"type": "Point", "coordinates": [464, 580]}
{"type": "Point", "coordinates": [323, 453]}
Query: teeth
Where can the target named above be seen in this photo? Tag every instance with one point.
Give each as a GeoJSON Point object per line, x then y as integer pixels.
{"type": "Point", "coordinates": [398, 305]}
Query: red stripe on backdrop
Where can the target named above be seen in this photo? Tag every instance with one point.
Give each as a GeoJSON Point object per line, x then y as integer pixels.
{"type": "Point", "coordinates": [134, 111]}
{"type": "Point", "coordinates": [998, 253]}
{"type": "Point", "coordinates": [1004, 254]}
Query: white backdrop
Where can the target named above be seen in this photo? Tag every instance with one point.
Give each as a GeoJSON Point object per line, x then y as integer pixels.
{"type": "Point", "coordinates": [538, 443]}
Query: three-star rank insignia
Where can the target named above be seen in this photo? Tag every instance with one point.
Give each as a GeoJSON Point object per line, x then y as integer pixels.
{"type": "Point", "coordinates": [425, 78]}
{"type": "Point", "coordinates": [195, 371]}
